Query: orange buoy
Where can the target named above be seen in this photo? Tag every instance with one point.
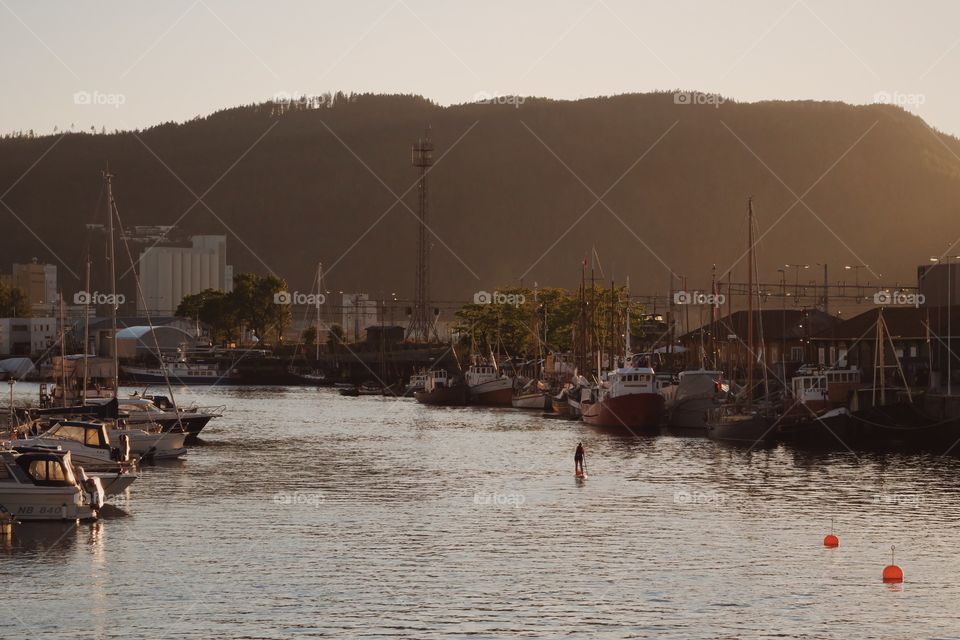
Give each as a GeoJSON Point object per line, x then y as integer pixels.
{"type": "Point", "coordinates": [891, 572]}
{"type": "Point", "coordinates": [831, 540]}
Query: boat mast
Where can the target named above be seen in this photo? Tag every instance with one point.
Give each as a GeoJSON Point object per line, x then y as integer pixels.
{"type": "Point", "coordinates": [63, 355]}
{"type": "Point", "coordinates": [86, 334]}
{"type": "Point", "coordinates": [316, 338]}
{"type": "Point", "coordinates": [749, 301]}
{"type": "Point", "coordinates": [113, 285]}
{"type": "Point", "coordinates": [627, 347]}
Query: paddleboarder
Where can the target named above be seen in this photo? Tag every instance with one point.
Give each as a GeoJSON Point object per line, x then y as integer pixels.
{"type": "Point", "coordinates": [578, 460]}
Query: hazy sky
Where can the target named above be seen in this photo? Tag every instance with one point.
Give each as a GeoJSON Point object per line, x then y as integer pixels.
{"type": "Point", "coordinates": [148, 62]}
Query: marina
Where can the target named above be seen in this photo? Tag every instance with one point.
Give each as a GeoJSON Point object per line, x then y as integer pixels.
{"type": "Point", "coordinates": [380, 534]}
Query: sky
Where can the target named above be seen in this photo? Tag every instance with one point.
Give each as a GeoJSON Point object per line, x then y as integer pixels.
{"type": "Point", "coordinates": [129, 64]}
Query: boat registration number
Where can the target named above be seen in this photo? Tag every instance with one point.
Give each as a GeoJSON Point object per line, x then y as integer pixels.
{"type": "Point", "coordinates": [40, 511]}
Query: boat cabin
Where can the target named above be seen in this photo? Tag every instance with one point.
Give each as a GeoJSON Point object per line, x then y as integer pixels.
{"type": "Point", "coordinates": [44, 469]}
{"type": "Point", "coordinates": [480, 373]}
{"type": "Point", "coordinates": [631, 380]}
{"type": "Point", "coordinates": [91, 434]}
{"type": "Point", "coordinates": [437, 379]}
{"type": "Point", "coordinates": [831, 386]}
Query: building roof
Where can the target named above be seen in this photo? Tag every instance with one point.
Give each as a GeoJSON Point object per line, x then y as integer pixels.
{"type": "Point", "coordinates": [902, 322]}
{"type": "Point", "coordinates": [777, 324]}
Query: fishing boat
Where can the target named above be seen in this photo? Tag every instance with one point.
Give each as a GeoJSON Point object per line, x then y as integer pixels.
{"type": "Point", "coordinates": [416, 383]}
{"type": "Point", "coordinates": [43, 485]}
{"type": "Point", "coordinates": [628, 398]}
{"type": "Point", "coordinates": [817, 406]}
{"type": "Point", "coordinates": [443, 389]}
{"type": "Point", "coordinates": [533, 394]}
{"type": "Point", "coordinates": [488, 385]}
{"type": "Point", "coordinates": [559, 404]}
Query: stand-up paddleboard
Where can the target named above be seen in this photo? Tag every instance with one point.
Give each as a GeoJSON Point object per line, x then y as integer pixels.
{"type": "Point", "coordinates": [580, 476]}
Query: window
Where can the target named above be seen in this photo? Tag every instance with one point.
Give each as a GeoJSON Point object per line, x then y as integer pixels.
{"type": "Point", "coordinates": [821, 355]}
{"type": "Point", "coordinates": [71, 433]}
{"type": "Point", "coordinates": [46, 471]}
{"type": "Point", "coordinates": [92, 438]}
{"type": "Point", "coordinates": [833, 355]}
{"type": "Point", "coordinates": [913, 351]}
{"type": "Point", "coordinates": [796, 354]}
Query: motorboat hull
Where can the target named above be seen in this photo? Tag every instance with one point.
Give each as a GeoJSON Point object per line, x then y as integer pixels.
{"type": "Point", "coordinates": [30, 502]}
{"type": "Point", "coordinates": [153, 446]}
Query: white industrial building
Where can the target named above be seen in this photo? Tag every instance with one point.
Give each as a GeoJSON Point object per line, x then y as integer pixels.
{"type": "Point", "coordinates": [27, 336]}
{"type": "Point", "coordinates": [168, 274]}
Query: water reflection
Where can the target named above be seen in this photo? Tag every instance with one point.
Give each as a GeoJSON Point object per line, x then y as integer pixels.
{"type": "Point", "coordinates": [50, 541]}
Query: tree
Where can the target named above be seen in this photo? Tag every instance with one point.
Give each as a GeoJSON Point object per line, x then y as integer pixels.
{"type": "Point", "coordinates": [13, 302]}
{"type": "Point", "coordinates": [309, 336]}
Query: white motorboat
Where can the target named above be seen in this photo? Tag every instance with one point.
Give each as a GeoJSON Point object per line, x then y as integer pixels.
{"type": "Point", "coordinates": [89, 443]}
{"type": "Point", "coordinates": [151, 442]}
{"type": "Point", "coordinates": [137, 411]}
{"type": "Point", "coordinates": [42, 485]}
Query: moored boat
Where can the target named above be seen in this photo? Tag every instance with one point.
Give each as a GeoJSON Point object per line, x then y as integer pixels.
{"type": "Point", "coordinates": [488, 385]}
{"type": "Point", "coordinates": [442, 389]}
{"type": "Point", "coordinates": [627, 398]}
{"type": "Point", "coordinates": [43, 485]}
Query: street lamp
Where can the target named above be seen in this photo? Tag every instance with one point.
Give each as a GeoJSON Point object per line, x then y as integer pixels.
{"type": "Point", "coordinates": [796, 276]}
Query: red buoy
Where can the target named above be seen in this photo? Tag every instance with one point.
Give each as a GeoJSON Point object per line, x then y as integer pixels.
{"type": "Point", "coordinates": [831, 540]}
{"type": "Point", "coordinates": [891, 572]}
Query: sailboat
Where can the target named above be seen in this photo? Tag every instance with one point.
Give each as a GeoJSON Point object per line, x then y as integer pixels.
{"type": "Point", "coordinates": [745, 420]}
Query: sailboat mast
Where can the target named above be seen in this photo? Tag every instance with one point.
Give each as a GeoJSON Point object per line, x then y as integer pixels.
{"type": "Point", "coordinates": [750, 301]}
{"type": "Point", "coordinates": [63, 355]}
{"type": "Point", "coordinates": [316, 338]}
{"type": "Point", "coordinates": [86, 335]}
{"type": "Point", "coordinates": [113, 285]}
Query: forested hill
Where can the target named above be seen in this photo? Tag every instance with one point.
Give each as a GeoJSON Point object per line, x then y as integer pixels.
{"type": "Point", "coordinates": [513, 192]}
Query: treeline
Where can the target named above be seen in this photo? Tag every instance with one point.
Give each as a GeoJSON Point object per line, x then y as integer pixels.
{"type": "Point", "coordinates": [252, 305]}
{"type": "Point", "coordinates": [521, 321]}
{"type": "Point", "coordinates": [13, 302]}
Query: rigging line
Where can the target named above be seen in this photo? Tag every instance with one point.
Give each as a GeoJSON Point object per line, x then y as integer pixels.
{"type": "Point", "coordinates": [146, 311]}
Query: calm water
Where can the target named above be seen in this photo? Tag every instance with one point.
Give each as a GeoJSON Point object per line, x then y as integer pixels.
{"type": "Point", "coordinates": [309, 514]}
